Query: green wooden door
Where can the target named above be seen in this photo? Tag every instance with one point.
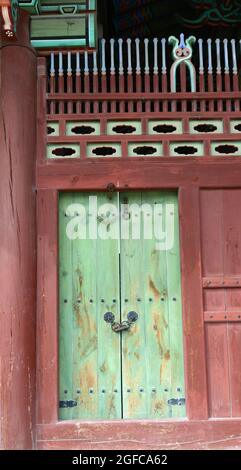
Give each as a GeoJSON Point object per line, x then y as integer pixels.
{"type": "Point", "coordinates": [131, 265]}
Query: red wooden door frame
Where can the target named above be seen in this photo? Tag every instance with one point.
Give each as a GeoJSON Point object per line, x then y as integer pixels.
{"type": "Point", "coordinates": [193, 325]}
{"type": "Point", "coordinates": [54, 434]}
{"type": "Point", "coordinates": [187, 176]}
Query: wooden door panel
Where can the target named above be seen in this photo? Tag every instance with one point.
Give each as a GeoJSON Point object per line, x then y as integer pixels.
{"type": "Point", "coordinates": [152, 350]}
{"type": "Point", "coordinates": [137, 373]}
{"type": "Point", "coordinates": [134, 374]}
{"type": "Point", "coordinates": [218, 369]}
{"type": "Point", "coordinates": [234, 336]}
{"type": "Point", "coordinates": [89, 351]}
{"type": "Point", "coordinates": [221, 259]}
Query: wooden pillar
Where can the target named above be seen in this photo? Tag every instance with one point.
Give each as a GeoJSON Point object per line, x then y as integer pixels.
{"type": "Point", "coordinates": [17, 240]}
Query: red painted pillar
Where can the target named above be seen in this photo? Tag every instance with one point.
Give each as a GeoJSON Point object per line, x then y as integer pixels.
{"type": "Point", "coordinates": [17, 240]}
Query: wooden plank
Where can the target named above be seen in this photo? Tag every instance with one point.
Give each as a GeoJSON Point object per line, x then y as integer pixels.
{"type": "Point", "coordinates": [134, 346]}
{"type": "Point", "coordinates": [175, 306]}
{"type": "Point", "coordinates": [191, 138]}
{"type": "Point", "coordinates": [66, 325]}
{"type": "Point", "coordinates": [140, 173]}
{"type": "Point", "coordinates": [218, 370]}
{"type": "Point", "coordinates": [90, 278]}
{"type": "Point", "coordinates": [138, 434]}
{"type": "Point", "coordinates": [154, 115]}
{"type": "Point", "coordinates": [148, 96]}
{"type": "Point", "coordinates": [212, 232]}
{"type": "Point", "coordinates": [222, 316]}
{"type": "Point", "coordinates": [232, 232]}
{"type": "Point", "coordinates": [228, 443]}
{"type": "Point", "coordinates": [85, 347]}
{"type": "Point", "coordinates": [144, 289]}
{"type": "Point", "coordinates": [214, 300]}
{"type": "Point", "coordinates": [194, 344]}
{"type": "Point", "coordinates": [108, 289]}
{"type": "Point", "coordinates": [47, 316]}
{"type": "Point", "coordinates": [234, 337]}
{"type": "Point", "coordinates": [157, 323]}
{"type": "Point", "coordinates": [221, 282]}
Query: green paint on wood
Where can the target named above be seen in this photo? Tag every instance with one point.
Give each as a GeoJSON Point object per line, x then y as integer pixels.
{"type": "Point", "coordinates": [52, 128]}
{"type": "Point", "coordinates": [89, 282]}
{"type": "Point", "coordinates": [83, 128]}
{"type": "Point", "coordinates": [130, 375]}
{"type": "Point", "coordinates": [63, 151]}
{"type": "Point", "coordinates": [150, 279]}
{"type": "Point", "coordinates": [186, 149]}
{"type": "Point", "coordinates": [213, 126]}
{"type": "Point", "coordinates": [227, 147]}
{"type": "Point", "coordinates": [99, 150]}
{"type": "Point", "coordinates": [145, 149]}
{"type": "Point", "coordinates": [66, 30]}
{"type": "Point", "coordinates": [235, 126]}
{"type": "Point", "coordinates": [124, 127]}
{"type": "Point", "coordinates": [165, 126]}
{"type": "Point", "coordinates": [58, 26]}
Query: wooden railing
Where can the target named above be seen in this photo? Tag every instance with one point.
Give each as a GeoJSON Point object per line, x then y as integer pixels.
{"type": "Point", "coordinates": [137, 76]}
{"type": "Point", "coordinates": [98, 106]}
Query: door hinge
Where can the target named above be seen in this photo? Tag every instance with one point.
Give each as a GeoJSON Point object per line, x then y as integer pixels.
{"type": "Point", "coordinates": [67, 404]}
{"type": "Point", "coordinates": [177, 401]}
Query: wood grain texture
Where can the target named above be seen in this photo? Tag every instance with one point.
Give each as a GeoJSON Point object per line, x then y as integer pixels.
{"type": "Point", "coordinates": [221, 251]}
{"type": "Point", "coordinates": [144, 174]}
{"type": "Point", "coordinates": [47, 312]}
{"type": "Point", "coordinates": [194, 340]}
{"type": "Point", "coordinates": [89, 355]}
{"type": "Point", "coordinates": [17, 241]}
{"type": "Point", "coordinates": [150, 285]}
{"type": "Point", "coordinates": [234, 338]}
{"type": "Point", "coordinates": [218, 370]}
{"type": "Point", "coordinates": [139, 435]}
{"type": "Point", "coordinates": [133, 374]}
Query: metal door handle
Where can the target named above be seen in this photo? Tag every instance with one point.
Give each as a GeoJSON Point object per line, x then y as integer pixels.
{"type": "Point", "coordinates": [125, 325]}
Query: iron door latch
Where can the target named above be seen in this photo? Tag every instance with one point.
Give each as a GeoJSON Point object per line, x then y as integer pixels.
{"type": "Point", "coordinates": [125, 325]}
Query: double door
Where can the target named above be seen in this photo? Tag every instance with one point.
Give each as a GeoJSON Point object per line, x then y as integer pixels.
{"type": "Point", "coordinates": [120, 315]}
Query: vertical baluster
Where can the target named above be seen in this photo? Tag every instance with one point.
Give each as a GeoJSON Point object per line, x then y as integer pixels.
{"type": "Point", "coordinates": [183, 78]}
{"type": "Point", "coordinates": [155, 74]}
{"type": "Point", "coordinates": [164, 73]}
{"type": "Point", "coordinates": [87, 80]}
{"type": "Point", "coordinates": [69, 83]}
{"type": "Point", "coordinates": [78, 81]}
{"type": "Point", "coordinates": [129, 75]}
{"type": "Point", "coordinates": [52, 82]}
{"type": "Point", "coordinates": [147, 74]}
{"type": "Point", "coordinates": [103, 74]}
{"type": "Point", "coordinates": [61, 82]}
{"type": "Point", "coordinates": [112, 73]}
{"type": "Point", "coordinates": [235, 66]}
{"type": "Point", "coordinates": [121, 74]}
{"type": "Point", "coordinates": [210, 73]}
{"type": "Point", "coordinates": [226, 73]}
{"type": "Point", "coordinates": [95, 81]}
{"type": "Point", "coordinates": [235, 72]}
{"type": "Point", "coordinates": [201, 73]}
{"type": "Point", "coordinates": [138, 73]}
{"type": "Point", "coordinates": [219, 73]}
